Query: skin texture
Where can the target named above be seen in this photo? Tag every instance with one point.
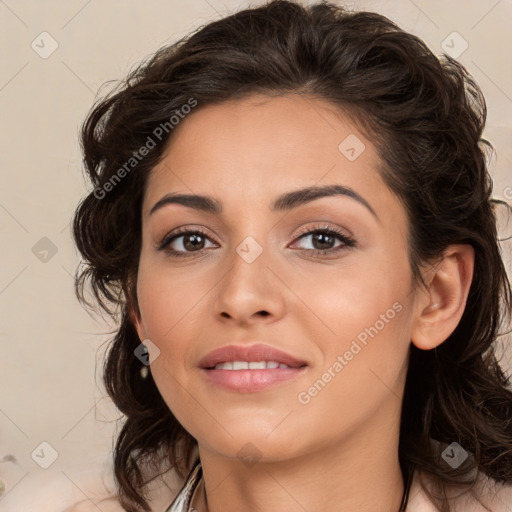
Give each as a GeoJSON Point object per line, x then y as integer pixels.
{"type": "Point", "coordinates": [339, 451]}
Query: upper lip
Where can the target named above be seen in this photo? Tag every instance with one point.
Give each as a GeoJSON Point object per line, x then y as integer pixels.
{"type": "Point", "coordinates": [251, 353]}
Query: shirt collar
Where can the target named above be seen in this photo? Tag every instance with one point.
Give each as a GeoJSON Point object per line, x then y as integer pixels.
{"type": "Point", "coordinates": [183, 500]}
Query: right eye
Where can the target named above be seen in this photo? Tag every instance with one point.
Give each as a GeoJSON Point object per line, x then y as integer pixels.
{"type": "Point", "coordinates": [179, 243]}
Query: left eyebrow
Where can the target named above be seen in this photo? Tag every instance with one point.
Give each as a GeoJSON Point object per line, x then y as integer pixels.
{"type": "Point", "coordinates": [284, 202]}
{"type": "Point", "coordinates": [305, 195]}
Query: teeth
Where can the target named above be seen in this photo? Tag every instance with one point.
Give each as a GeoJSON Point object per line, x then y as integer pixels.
{"type": "Point", "coordinates": [253, 365]}
{"type": "Point", "coordinates": [257, 365]}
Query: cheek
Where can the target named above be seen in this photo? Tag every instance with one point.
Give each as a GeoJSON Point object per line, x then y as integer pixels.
{"type": "Point", "coordinates": [367, 310]}
{"type": "Point", "coordinates": [363, 370]}
{"type": "Point", "coordinates": [172, 307]}
{"type": "Point", "coordinates": [168, 315]}
{"type": "Point", "coordinates": [369, 331]}
{"type": "Point", "coordinates": [168, 301]}
{"type": "Point", "coordinates": [361, 295]}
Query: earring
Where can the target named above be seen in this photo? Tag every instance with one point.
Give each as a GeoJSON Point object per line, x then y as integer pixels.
{"type": "Point", "coordinates": [144, 372]}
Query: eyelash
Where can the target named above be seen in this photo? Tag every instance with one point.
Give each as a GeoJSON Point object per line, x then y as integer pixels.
{"type": "Point", "coordinates": [348, 242]}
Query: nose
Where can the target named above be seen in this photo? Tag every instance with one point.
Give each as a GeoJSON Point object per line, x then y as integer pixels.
{"type": "Point", "coordinates": [250, 291]}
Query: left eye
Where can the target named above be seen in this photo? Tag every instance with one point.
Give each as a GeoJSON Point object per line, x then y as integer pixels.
{"type": "Point", "coordinates": [324, 240]}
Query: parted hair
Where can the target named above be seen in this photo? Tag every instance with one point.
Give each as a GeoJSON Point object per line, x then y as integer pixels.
{"type": "Point", "coordinates": [424, 114]}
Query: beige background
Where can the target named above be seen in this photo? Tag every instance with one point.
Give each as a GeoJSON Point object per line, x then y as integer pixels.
{"type": "Point", "coordinates": [49, 390]}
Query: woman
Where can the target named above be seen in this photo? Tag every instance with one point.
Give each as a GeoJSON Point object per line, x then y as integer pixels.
{"type": "Point", "coordinates": [291, 208]}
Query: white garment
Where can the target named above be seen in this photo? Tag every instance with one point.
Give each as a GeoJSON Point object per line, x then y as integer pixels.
{"type": "Point", "coordinates": [77, 489]}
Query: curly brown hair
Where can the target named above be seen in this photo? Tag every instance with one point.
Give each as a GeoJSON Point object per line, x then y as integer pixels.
{"type": "Point", "coordinates": [424, 114]}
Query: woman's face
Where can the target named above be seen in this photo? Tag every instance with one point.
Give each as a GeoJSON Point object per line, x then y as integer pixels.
{"type": "Point", "coordinates": [338, 302]}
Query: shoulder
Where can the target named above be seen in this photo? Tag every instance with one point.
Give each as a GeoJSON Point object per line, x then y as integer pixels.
{"type": "Point", "coordinates": [89, 506]}
{"type": "Point", "coordinates": [82, 487]}
{"type": "Point", "coordinates": [160, 492]}
{"type": "Point", "coordinates": [489, 494]}
{"type": "Point", "coordinates": [486, 495]}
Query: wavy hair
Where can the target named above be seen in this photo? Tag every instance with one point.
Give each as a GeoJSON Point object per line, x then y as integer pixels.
{"type": "Point", "coordinates": [424, 114]}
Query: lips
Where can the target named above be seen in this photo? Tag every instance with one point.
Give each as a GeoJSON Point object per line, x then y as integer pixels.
{"type": "Point", "coordinates": [250, 369]}
{"type": "Point", "coordinates": [254, 353]}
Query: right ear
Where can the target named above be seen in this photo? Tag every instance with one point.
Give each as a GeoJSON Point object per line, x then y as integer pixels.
{"type": "Point", "coordinates": [135, 317]}
{"type": "Point", "coordinates": [138, 324]}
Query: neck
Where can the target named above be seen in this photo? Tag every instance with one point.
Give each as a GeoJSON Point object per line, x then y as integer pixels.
{"type": "Point", "coordinates": [360, 472]}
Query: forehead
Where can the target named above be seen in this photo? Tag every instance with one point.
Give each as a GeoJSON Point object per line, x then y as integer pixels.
{"type": "Point", "coordinates": [255, 147]}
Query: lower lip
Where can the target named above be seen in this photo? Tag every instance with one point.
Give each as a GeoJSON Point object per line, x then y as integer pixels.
{"type": "Point", "coordinates": [249, 381]}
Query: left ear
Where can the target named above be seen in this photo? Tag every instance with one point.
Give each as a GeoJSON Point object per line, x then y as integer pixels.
{"type": "Point", "coordinates": [442, 305]}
